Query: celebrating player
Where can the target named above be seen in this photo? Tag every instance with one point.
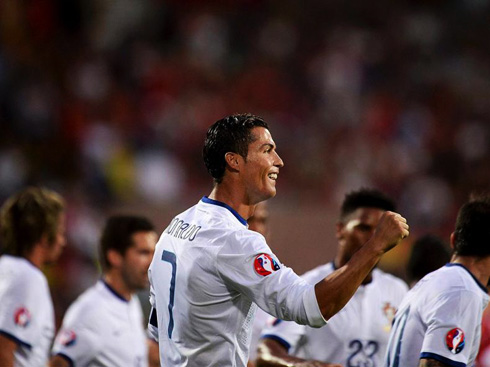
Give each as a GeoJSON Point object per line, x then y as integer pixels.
{"type": "Point", "coordinates": [104, 326]}
{"type": "Point", "coordinates": [358, 335]}
{"type": "Point", "coordinates": [32, 232]}
{"type": "Point", "coordinates": [439, 320]}
{"type": "Point", "coordinates": [209, 271]}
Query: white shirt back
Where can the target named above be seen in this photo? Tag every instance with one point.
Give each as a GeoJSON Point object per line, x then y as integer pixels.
{"type": "Point", "coordinates": [357, 335]}
{"type": "Point", "coordinates": [26, 310]}
{"type": "Point", "coordinates": [440, 318]}
{"type": "Point", "coordinates": [103, 329]}
{"type": "Point", "coordinates": [207, 272]}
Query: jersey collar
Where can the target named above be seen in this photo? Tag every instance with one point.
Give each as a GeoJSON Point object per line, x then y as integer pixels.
{"type": "Point", "coordinates": [469, 272]}
{"type": "Point", "coordinates": [207, 200]}
{"type": "Point", "coordinates": [112, 290]}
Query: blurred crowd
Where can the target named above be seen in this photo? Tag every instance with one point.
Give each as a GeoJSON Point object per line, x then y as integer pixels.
{"type": "Point", "coordinates": [108, 101]}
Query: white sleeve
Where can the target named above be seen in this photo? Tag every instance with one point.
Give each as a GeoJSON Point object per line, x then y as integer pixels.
{"type": "Point", "coordinates": [23, 301]}
{"type": "Point", "coordinates": [287, 333]}
{"type": "Point", "coordinates": [253, 270]}
{"type": "Point", "coordinates": [453, 323]}
{"type": "Point", "coordinates": [80, 337]}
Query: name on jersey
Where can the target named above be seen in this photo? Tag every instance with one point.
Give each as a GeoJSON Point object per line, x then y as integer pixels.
{"type": "Point", "coordinates": [182, 230]}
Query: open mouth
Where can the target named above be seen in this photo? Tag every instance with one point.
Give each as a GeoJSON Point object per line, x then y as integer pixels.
{"type": "Point", "coordinates": [272, 176]}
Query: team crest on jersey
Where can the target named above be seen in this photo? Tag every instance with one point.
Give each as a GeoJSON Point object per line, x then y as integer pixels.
{"type": "Point", "coordinates": [22, 317]}
{"type": "Point", "coordinates": [455, 340]}
{"type": "Point", "coordinates": [67, 338]}
{"type": "Point", "coordinates": [264, 264]}
{"type": "Point", "coordinates": [389, 311]}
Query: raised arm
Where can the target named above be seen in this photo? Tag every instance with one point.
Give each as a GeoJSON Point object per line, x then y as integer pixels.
{"type": "Point", "coordinates": [7, 349]}
{"type": "Point", "coordinates": [272, 354]}
{"type": "Point", "coordinates": [336, 290]}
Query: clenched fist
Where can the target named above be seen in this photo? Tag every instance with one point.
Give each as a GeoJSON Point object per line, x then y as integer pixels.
{"type": "Point", "coordinates": [391, 229]}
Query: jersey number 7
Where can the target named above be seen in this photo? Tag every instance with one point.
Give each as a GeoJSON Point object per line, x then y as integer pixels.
{"type": "Point", "coordinates": [170, 257]}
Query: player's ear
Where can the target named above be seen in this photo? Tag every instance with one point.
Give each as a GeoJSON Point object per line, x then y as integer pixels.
{"type": "Point", "coordinates": [233, 161]}
{"type": "Point", "coordinates": [114, 258]}
{"type": "Point", "coordinates": [452, 240]}
{"type": "Point", "coordinates": [338, 230]}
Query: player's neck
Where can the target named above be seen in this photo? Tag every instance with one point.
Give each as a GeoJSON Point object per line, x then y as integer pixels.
{"type": "Point", "coordinates": [479, 267]}
{"type": "Point", "coordinates": [234, 198]}
{"type": "Point", "coordinates": [117, 284]}
{"type": "Point", "coordinates": [36, 256]}
{"type": "Point", "coordinates": [341, 261]}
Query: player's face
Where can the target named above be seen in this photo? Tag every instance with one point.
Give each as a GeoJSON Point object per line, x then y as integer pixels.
{"type": "Point", "coordinates": [137, 260]}
{"type": "Point", "coordinates": [356, 230]}
{"type": "Point", "coordinates": [56, 248]}
{"type": "Point", "coordinates": [261, 168]}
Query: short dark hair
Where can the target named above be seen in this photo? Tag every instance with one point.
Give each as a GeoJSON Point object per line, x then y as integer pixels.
{"type": "Point", "coordinates": [472, 230]}
{"type": "Point", "coordinates": [429, 253]}
{"type": "Point", "coordinates": [117, 234]}
{"type": "Point", "coordinates": [365, 198]}
{"type": "Point", "coordinates": [26, 217]}
{"type": "Point", "coordinates": [230, 134]}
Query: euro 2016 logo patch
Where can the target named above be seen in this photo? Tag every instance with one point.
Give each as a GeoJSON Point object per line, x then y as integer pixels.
{"type": "Point", "coordinates": [264, 264]}
{"type": "Point", "coordinates": [22, 317]}
{"type": "Point", "coordinates": [455, 340]}
{"type": "Point", "coordinates": [67, 338]}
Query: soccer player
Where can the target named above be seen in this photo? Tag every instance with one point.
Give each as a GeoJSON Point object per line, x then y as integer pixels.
{"type": "Point", "coordinates": [32, 231]}
{"type": "Point", "coordinates": [358, 335]}
{"type": "Point", "coordinates": [104, 326]}
{"type": "Point", "coordinates": [439, 321]}
{"type": "Point", "coordinates": [209, 271]}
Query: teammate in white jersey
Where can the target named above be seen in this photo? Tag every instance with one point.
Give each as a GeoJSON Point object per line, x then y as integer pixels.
{"type": "Point", "coordinates": [32, 234]}
{"type": "Point", "coordinates": [104, 326]}
{"type": "Point", "coordinates": [439, 321]}
{"type": "Point", "coordinates": [209, 270]}
{"type": "Point", "coordinates": [358, 334]}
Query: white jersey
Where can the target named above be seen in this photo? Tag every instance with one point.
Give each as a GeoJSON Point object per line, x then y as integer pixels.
{"type": "Point", "coordinates": [207, 272]}
{"type": "Point", "coordinates": [357, 335]}
{"type": "Point", "coordinates": [26, 310]}
{"type": "Point", "coordinates": [103, 329]}
{"type": "Point", "coordinates": [440, 318]}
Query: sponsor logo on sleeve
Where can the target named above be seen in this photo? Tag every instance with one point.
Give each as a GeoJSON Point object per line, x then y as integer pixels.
{"type": "Point", "coordinates": [22, 317]}
{"type": "Point", "coordinates": [455, 340]}
{"type": "Point", "coordinates": [67, 338]}
{"type": "Point", "coordinates": [264, 264]}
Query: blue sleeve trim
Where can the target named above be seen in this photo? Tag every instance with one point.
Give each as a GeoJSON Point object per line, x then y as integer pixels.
{"type": "Point", "coordinates": [278, 339]}
{"type": "Point", "coordinates": [442, 359]}
{"type": "Point", "coordinates": [15, 339]}
{"type": "Point", "coordinates": [68, 359]}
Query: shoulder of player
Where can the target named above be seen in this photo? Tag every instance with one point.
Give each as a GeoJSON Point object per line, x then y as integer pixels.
{"type": "Point", "coordinates": [24, 274]}
{"type": "Point", "coordinates": [384, 278]}
{"type": "Point", "coordinates": [244, 239]}
{"type": "Point", "coordinates": [89, 304]}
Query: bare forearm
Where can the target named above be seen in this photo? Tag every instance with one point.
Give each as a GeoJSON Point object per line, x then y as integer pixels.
{"type": "Point", "coordinates": [7, 349]}
{"type": "Point", "coordinates": [431, 363]}
{"type": "Point", "coordinates": [337, 289]}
